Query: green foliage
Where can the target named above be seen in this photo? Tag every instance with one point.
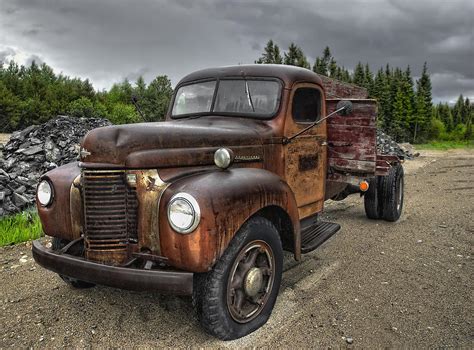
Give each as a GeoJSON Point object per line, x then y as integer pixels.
{"type": "Point", "coordinates": [271, 54]}
{"type": "Point", "coordinates": [446, 145]}
{"type": "Point", "coordinates": [122, 113]}
{"type": "Point", "coordinates": [404, 112]}
{"type": "Point", "coordinates": [34, 94]}
{"type": "Point", "coordinates": [295, 57]}
{"type": "Point", "coordinates": [157, 98]}
{"type": "Point", "coordinates": [82, 108]}
{"type": "Point", "coordinates": [327, 65]}
{"type": "Point", "coordinates": [21, 227]}
{"type": "Point", "coordinates": [436, 130]}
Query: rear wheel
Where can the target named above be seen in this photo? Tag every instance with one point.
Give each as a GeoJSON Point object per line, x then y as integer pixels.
{"type": "Point", "coordinates": [372, 205]}
{"type": "Point", "coordinates": [58, 244]}
{"type": "Point", "coordinates": [392, 187]}
{"type": "Point", "coordinates": [237, 296]}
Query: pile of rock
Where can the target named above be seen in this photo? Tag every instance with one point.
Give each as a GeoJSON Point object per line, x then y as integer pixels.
{"type": "Point", "coordinates": [386, 145]}
{"type": "Point", "coordinates": [35, 150]}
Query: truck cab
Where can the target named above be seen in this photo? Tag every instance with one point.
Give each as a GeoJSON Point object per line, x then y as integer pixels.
{"type": "Point", "coordinates": [205, 202]}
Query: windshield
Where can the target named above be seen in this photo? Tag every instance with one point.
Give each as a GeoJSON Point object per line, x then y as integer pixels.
{"type": "Point", "coordinates": [252, 97]}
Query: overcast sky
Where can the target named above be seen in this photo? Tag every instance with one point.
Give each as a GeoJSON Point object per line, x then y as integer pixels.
{"type": "Point", "coordinates": [109, 40]}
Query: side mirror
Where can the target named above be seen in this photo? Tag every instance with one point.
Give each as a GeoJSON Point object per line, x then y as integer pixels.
{"type": "Point", "coordinates": [346, 107]}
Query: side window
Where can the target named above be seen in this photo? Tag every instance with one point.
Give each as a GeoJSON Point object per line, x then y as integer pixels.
{"type": "Point", "coordinates": [306, 105]}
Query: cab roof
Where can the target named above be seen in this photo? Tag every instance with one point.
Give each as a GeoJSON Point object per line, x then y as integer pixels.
{"type": "Point", "coordinates": [288, 74]}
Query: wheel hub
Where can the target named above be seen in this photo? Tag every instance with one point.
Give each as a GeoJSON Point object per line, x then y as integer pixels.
{"type": "Point", "coordinates": [253, 281]}
{"type": "Point", "coordinates": [250, 281]}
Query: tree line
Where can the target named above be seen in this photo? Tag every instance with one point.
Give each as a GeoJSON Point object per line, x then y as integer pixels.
{"type": "Point", "coordinates": [405, 111]}
{"type": "Point", "coordinates": [34, 94]}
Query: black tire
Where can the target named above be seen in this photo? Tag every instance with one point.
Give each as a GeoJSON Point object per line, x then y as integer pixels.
{"type": "Point", "coordinates": [213, 292]}
{"type": "Point", "coordinates": [392, 194]}
{"type": "Point", "coordinates": [58, 244]}
{"type": "Point", "coordinates": [371, 200]}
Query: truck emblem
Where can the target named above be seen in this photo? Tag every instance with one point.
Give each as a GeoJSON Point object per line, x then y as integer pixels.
{"type": "Point", "coordinates": [84, 153]}
{"type": "Point", "coordinates": [243, 158]}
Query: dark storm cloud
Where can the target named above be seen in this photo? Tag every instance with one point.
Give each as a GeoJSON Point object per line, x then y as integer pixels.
{"type": "Point", "coordinates": [110, 40]}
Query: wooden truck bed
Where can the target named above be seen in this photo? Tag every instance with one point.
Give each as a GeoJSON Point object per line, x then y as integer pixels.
{"type": "Point", "coordinates": [352, 139]}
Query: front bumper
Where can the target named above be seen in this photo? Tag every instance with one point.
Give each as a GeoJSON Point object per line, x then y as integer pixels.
{"type": "Point", "coordinates": [167, 281]}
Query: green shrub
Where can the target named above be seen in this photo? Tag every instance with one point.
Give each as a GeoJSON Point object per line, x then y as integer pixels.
{"type": "Point", "coordinates": [20, 227]}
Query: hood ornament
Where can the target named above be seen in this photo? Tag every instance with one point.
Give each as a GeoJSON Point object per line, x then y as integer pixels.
{"type": "Point", "coordinates": [84, 153]}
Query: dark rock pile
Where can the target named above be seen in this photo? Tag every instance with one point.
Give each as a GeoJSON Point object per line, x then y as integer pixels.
{"type": "Point", "coordinates": [386, 145]}
{"type": "Point", "coordinates": [35, 150]}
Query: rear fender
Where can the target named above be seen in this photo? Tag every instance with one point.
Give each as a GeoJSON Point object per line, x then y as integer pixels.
{"type": "Point", "coordinates": [227, 199]}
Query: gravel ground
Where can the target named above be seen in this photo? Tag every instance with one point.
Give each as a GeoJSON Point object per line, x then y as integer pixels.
{"type": "Point", "coordinates": [374, 284]}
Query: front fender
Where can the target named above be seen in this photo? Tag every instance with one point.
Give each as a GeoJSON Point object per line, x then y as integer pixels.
{"type": "Point", "coordinates": [62, 218]}
{"type": "Point", "coordinates": [227, 199]}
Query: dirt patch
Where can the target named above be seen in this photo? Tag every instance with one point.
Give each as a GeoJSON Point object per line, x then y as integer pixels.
{"type": "Point", "coordinates": [404, 284]}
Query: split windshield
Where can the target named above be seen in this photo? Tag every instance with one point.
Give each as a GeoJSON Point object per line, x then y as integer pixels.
{"type": "Point", "coordinates": [252, 97]}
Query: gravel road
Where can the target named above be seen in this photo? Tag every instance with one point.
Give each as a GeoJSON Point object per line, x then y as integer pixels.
{"type": "Point", "coordinates": [374, 284]}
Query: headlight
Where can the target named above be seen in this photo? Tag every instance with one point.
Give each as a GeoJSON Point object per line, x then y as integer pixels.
{"type": "Point", "coordinates": [183, 213]}
{"type": "Point", "coordinates": [44, 193]}
{"type": "Point", "coordinates": [223, 158]}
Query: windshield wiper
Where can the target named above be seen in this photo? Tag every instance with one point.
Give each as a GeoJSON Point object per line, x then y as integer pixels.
{"type": "Point", "coordinates": [249, 98]}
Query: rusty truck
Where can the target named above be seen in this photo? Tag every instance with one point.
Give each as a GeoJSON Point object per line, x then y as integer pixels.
{"type": "Point", "coordinates": [204, 203]}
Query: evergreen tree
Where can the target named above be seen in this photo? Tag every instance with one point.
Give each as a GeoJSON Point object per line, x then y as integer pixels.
{"type": "Point", "coordinates": [368, 80]}
{"type": "Point", "coordinates": [295, 57]}
{"type": "Point", "coordinates": [157, 98]}
{"type": "Point", "coordinates": [271, 54]}
{"type": "Point", "coordinates": [359, 76]}
{"type": "Point", "coordinates": [425, 86]}
{"type": "Point", "coordinates": [34, 94]}
{"type": "Point", "coordinates": [458, 111]}
{"type": "Point", "coordinates": [398, 125]}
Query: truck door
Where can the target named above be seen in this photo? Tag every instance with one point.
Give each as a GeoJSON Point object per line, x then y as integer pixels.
{"type": "Point", "coordinates": [305, 156]}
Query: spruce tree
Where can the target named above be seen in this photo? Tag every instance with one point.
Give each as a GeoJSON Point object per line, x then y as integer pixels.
{"type": "Point", "coordinates": [368, 80]}
{"type": "Point", "coordinates": [295, 57]}
{"type": "Point", "coordinates": [271, 54]}
{"type": "Point", "coordinates": [359, 76]}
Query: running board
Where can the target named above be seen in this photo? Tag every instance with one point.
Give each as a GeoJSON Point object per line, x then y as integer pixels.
{"type": "Point", "coordinates": [315, 235]}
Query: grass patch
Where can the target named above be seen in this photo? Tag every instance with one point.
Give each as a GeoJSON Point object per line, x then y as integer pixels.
{"type": "Point", "coordinates": [20, 227]}
{"type": "Point", "coordinates": [446, 145]}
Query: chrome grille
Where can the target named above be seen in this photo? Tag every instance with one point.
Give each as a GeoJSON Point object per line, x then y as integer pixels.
{"type": "Point", "coordinates": [110, 215]}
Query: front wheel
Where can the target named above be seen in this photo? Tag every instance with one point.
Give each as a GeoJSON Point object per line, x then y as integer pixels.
{"type": "Point", "coordinates": [237, 296]}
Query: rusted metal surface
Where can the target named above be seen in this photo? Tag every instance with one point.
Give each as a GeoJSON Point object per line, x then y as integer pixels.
{"type": "Point", "coordinates": [149, 189]}
{"type": "Point", "coordinates": [119, 144]}
{"type": "Point", "coordinates": [166, 281]}
{"type": "Point", "coordinates": [76, 210]}
{"type": "Point", "coordinates": [288, 74]}
{"type": "Point", "coordinates": [109, 215]}
{"type": "Point", "coordinates": [307, 185]}
{"type": "Point", "coordinates": [124, 221]}
{"type": "Point", "coordinates": [227, 199]}
{"type": "Point", "coordinates": [56, 218]}
{"type": "Point", "coordinates": [251, 280]}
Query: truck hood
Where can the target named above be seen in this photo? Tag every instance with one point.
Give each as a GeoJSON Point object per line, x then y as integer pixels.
{"type": "Point", "coordinates": [181, 142]}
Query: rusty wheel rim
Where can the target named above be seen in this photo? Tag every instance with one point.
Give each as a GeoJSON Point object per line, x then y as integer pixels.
{"type": "Point", "coordinates": [250, 281]}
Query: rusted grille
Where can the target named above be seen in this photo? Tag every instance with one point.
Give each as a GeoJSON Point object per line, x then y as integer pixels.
{"type": "Point", "coordinates": [110, 215]}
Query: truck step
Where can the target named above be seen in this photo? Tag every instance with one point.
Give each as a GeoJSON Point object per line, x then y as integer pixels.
{"type": "Point", "coordinates": [315, 235]}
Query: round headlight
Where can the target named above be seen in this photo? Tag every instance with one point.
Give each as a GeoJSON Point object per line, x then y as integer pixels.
{"type": "Point", "coordinates": [44, 193]}
{"type": "Point", "coordinates": [183, 213]}
{"type": "Point", "coordinates": [223, 157]}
